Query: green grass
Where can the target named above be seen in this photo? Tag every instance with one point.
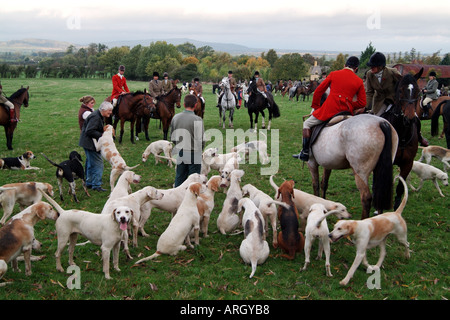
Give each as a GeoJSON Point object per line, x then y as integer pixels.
{"type": "Point", "coordinates": [213, 270]}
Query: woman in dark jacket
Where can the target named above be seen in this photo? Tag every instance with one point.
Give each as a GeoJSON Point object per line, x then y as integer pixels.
{"type": "Point", "coordinates": [93, 129]}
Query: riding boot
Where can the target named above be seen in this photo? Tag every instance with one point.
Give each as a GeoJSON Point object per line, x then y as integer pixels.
{"type": "Point", "coordinates": [304, 154]}
{"type": "Point", "coordinates": [12, 115]}
{"type": "Point", "coordinates": [425, 110]}
{"type": "Point", "coordinates": [219, 101]}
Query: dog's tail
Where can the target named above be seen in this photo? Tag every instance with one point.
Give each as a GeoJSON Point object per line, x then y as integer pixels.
{"type": "Point", "coordinates": [53, 203]}
{"type": "Point", "coordinates": [53, 163]}
{"type": "Point", "coordinates": [254, 263]}
{"type": "Point", "coordinates": [329, 213]}
{"type": "Point", "coordinates": [153, 256]}
{"type": "Point", "coordinates": [405, 197]}
{"type": "Point", "coordinates": [132, 168]}
{"type": "Point", "coordinates": [283, 204]}
{"type": "Point", "coordinates": [273, 184]}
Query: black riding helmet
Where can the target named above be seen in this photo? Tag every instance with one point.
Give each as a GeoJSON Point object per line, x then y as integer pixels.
{"type": "Point", "coordinates": [377, 60]}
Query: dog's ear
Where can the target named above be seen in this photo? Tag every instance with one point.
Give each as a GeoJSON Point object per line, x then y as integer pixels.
{"type": "Point", "coordinates": [195, 188]}
{"type": "Point", "coordinates": [39, 210]}
{"type": "Point", "coordinates": [113, 216]}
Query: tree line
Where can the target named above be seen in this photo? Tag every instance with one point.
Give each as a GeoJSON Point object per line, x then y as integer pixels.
{"type": "Point", "coordinates": [184, 62]}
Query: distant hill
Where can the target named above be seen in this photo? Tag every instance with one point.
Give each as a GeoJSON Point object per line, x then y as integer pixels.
{"type": "Point", "coordinates": [33, 45]}
{"type": "Point", "coordinates": [37, 45]}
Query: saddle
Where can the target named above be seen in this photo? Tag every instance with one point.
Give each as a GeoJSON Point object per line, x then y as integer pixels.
{"type": "Point", "coordinates": [315, 131]}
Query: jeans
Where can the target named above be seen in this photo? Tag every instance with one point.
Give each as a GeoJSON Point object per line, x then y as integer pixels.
{"type": "Point", "coordinates": [94, 168]}
{"type": "Point", "coordinates": [187, 166]}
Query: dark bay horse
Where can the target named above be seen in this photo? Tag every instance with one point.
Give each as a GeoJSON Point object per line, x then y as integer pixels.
{"type": "Point", "coordinates": [18, 98]}
{"type": "Point", "coordinates": [129, 107]}
{"type": "Point", "coordinates": [443, 109]}
{"type": "Point", "coordinates": [165, 110]}
{"type": "Point", "coordinates": [365, 143]}
{"type": "Point", "coordinates": [256, 105]}
{"type": "Point", "coordinates": [402, 116]}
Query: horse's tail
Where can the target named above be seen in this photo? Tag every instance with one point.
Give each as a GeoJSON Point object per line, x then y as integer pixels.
{"type": "Point", "coordinates": [382, 174]}
{"type": "Point", "coordinates": [435, 119]}
{"type": "Point", "coordinates": [275, 110]}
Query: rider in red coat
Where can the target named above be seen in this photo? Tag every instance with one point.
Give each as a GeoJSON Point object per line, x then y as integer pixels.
{"type": "Point", "coordinates": [119, 85]}
{"type": "Point", "coordinates": [347, 94]}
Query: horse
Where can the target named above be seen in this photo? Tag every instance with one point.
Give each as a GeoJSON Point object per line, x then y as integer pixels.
{"type": "Point", "coordinates": [402, 116]}
{"type": "Point", "coordinates": [280, 86]}
{"type": "Point", "coordinates": [434, 105]}
{"type": "Point", "coordinates": [129, 107]}
{"type": "Point", "coordinates": [165, 111]}
{"type": "Point", "coordinates": [18, 98]}
{"type": "Point", "coordinates": [228, 103]}
{"type": "Point", "coordinates": [199, 109]}
{"type": "Point", "coordinates": [442, 109]}
{"type": "Point", "coordinates": [256, 105]}
{"type": "Point", "coordinates": [365, 143]}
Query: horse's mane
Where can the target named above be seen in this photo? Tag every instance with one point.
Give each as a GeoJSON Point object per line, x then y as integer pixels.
{"type": "Point", "coordinates": [18, 93]}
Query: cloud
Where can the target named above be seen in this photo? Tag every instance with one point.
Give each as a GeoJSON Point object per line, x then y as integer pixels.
{"type": "Point", "coordinates": [286, 24]}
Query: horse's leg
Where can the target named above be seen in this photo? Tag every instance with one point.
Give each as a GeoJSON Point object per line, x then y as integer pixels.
{"type": "Point", "coordinates": [230, 118]}
{"type": "Point", "coordinates": [122, 124]}
{"type": "Point", "coordinates": [133, 122]}
{"type": "Point", "coordinates": [270, 120]}
{"type": "Point", "coordinates": [146, 122]}
{"type": "Point", "coordinates": [314, 170]}
{"type": "Point", "coordinates": [364, 193]}
{"type": "Point", "coordinates": [8, 135]}
{"type": "Point", "coordinates": [324, 183]}
{"type": "Point", "coordinates": [263, 120]}
{"type": "Point", "coordinates": [251, 120]}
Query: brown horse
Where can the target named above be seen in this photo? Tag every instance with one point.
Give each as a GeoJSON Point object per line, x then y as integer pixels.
{"type": "Point", "coordinates": [129, 107]}
{"type": "Point", "coordinates": [434, 105]}
{"type": "Point", "coordinates": [165, 110]}
{"type": "Point", "coordinates": [199, 109]}
{"type": "Point", "coordinates": [18, 98]}
{"type": "Point", "coordinates": [443, 109]}
{"type": "Point", "coordinates": [403, 118]}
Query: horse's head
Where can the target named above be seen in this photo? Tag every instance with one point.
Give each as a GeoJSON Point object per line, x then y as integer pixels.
{"type": "Point", "coordinates": [21, 96]}
{"type": "Point", "coordinates": [407, 94]}
{"type": "Point", "coordinates": [225, 82]}
{"type": "Point", "coordinates": [147, 102]}
{"type": "Point", "coordinates": [177, 94]}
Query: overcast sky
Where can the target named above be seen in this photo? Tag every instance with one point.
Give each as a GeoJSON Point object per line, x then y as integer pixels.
{"type": "Point", "coordinates": [346, 25]}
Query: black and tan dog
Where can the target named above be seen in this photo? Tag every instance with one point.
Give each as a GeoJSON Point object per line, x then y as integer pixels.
{"type": "Point", "coordinates": [70, 170]}
{"type": "Point", "coordinates": [290, 240]}
{"type": "Point", "coordinates": [18, 163]}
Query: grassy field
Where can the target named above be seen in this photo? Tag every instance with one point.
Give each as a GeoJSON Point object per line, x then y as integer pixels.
{"type": "Point", "coordinates": [214, 269]}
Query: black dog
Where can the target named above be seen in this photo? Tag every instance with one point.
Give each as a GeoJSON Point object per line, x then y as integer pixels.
{"type": "Point", "coordinates": [70, 170]}
{"type": "Point", "coordinates": [18, 163]}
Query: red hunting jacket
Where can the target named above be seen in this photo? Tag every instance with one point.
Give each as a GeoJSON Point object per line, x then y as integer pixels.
{"type": "Point", "coordinates": [119, 86]}
{"type": "Point", "coordinates": [344, 85]}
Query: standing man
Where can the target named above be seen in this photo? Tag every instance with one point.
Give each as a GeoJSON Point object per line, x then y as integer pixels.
{"type": "Point", "coordinates": [8, 104]}
{"type": "Point", "coordinates": [93, 129]}
{"type": "Point", "coordinates": [166, 84]}
{"type": "Point", "coordinates": [155, 87]}
{"type": "Point", "coordinates": [344, 86]}
{"type": "Point", "coordinates": [430, 93]}
{"type": "Point", "coordinates": [119, 85]}
{"type": "Point", "coordinates": [188, 134]}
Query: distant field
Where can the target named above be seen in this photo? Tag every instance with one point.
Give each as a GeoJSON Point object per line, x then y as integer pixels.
{"type": "Point", "coordinates": [213, 270]}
